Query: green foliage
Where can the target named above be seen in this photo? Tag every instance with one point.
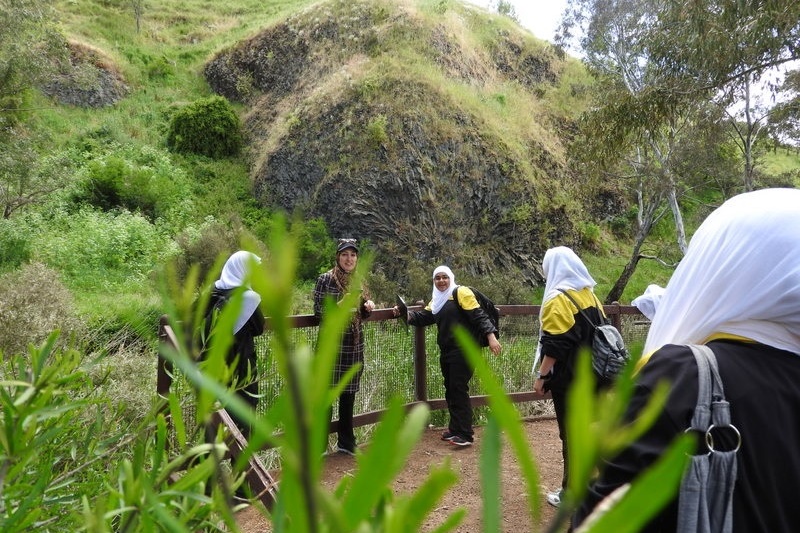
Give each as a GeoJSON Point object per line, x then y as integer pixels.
{"type": "Point", "coordinates": [30, 47]}
{"type": "Point", "coordinates": [315, 248]}
{"type": "Point", "coordinates": [506, 8]}
{"type": "Point", "coordinates": [201, 246]}
{"type": "Point", "coordinates": [93, 249]}
{"type": "Point", "coordinates": [55, 444]}
{"type": "Point", "coordinates": [33, 303]}
{"type": "Point", "coordinates": [208, 126]}
{"type": "Point", "coordinates": [140, 179]}
{"type": "Point", "coordinates": [160, 68]}
{"type": "Point", "coordinates": [376, 131]}
{"type": "Point", "coordinates": [15, 246]}
{"type": "Point", "coordinates": [590, 235]}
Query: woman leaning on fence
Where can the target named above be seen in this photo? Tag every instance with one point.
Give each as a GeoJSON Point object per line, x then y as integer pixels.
{"type": "Point", "coordinates": [335, 283]}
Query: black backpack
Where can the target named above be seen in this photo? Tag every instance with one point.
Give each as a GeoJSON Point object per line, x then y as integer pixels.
{"type": "Point", "coordinates": [609, 354]}
{"type": "Point", "coordinates": [491, 311]}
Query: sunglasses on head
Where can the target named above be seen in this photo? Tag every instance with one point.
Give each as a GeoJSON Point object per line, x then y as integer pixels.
{"type": "Point", "coordinates": [347, 241]}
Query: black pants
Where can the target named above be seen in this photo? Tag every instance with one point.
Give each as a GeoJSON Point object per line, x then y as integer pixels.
{"type": "Point", "coordinates": [347, 437]}
{"type": "Point", "coordinates": [248, 393]}
{"type": "Point", "coordinates": [560, 406]}
{"type": "Point", "coordinates": [457, 373]}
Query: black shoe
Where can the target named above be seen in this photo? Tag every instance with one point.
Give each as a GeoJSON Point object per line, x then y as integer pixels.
{"type": "Point", "coordinates": [447, 436]}
{"type": "Point", "coordinates": [346, 450]}
{"type": "Point", "coordinates": [458, 441]}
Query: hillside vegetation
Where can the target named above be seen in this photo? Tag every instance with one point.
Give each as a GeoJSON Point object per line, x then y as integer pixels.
{"type": "Point", "coordinates": [428, 128]}
{"type": "Point", "coordinates": [435, 131]}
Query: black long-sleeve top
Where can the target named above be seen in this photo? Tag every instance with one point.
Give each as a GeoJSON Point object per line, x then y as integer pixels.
{"type": "Point", "coordinates": [468, 314]}
{"type": "Point", "coordinates": [762, 385]}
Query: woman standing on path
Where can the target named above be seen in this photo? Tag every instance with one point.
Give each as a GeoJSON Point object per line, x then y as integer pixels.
{"type": "Point", "coordinates": [447, 313]}
{"type": "Point", "coordinates": [249, 324]}
{"type": "Point", "coordinates": [335, 283]}
{"type": "Point", "coordinates": [563, 332]}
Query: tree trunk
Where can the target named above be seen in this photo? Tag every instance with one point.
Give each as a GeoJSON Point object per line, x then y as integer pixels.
{"type": "Point", "coordinates": [648, 217]}
{"type": "Point", "coordinates": [680, 230]}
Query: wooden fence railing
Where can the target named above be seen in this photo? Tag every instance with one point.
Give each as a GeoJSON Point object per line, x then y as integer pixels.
{"type": "Point", "coordinates": [519, 325]}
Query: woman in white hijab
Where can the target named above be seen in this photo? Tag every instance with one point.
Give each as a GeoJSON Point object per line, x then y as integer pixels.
{"type": "Point", "coordinates": [737, 291]}
{"type": "Point", "coordinates": [648, 302]}
{"type": "Point", "coordinates": [455, 305]}
{"type": "Point", "coordinates": [563, 332]}
{"type": "Point", "coordinates": [248, 325]}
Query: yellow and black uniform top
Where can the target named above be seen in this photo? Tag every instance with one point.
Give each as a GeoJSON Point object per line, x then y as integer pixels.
{"type": "Point", "coordinates": [466, 312]}
{"type": "Point", "coordinates": [565, 331]}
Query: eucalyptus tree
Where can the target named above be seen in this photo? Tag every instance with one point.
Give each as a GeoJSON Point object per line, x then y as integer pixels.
{"type": "Point", "coordinates": [637, 149]}
{"type": "Point", "coordinates": [785, 118]}
{"type": "Point", "coordinates": [31, 47]}
{"type": "Point", "coordinates": [730, 47]}
{"type": "Point", "coordinates": [724, 48]}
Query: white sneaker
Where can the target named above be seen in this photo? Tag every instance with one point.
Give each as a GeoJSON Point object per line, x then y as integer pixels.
{"type": "Point", "coordinates": [554, 498]}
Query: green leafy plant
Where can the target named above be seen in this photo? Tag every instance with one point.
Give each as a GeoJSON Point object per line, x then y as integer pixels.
{"type": "Point", "coordinates": [208, 126]}
{"type": "Point", "coordinates": [596, 430]}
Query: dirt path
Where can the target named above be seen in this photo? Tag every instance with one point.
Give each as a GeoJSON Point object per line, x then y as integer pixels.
{"type": "Point", "coordinates": [431, 450]}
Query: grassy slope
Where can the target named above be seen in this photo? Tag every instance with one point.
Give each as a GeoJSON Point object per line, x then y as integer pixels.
{"type": "Point", "coordinates": [184, 36]}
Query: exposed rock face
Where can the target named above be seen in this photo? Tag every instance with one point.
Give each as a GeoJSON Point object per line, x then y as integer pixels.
{"type": "Point", "coordinates": [364, 114]}
{"type": "Point", "coordinates": [92, 80]}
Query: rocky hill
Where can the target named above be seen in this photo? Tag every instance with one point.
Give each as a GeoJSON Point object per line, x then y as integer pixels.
{"type": "Point", "coordinates": [432, 130]}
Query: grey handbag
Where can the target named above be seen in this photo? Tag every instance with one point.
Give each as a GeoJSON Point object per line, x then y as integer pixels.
{"type": "Point", "coordinates": [705, 502]}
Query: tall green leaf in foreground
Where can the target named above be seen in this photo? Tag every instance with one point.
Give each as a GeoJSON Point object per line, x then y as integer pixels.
{"type": "Point", "coordinates": [596, 430]}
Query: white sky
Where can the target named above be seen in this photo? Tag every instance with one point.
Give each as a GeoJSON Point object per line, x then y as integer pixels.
{"type": "Point", "coordinates": [541, 17]}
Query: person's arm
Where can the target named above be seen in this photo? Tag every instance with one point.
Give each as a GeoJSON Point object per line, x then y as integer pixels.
{"type": "Point", "coordinates": [477, 316]}
{"type": "Point", "coordinates": [544, 373]}
{"type": "Point", "coordinates": [422, 318]}
{"type": "Point", "coordinates": [320, 291]}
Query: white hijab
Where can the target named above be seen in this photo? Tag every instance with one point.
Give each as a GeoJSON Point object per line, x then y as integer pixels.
{"type": "Point", "coordinates": [235, 274]}
{"type": "Point", "coordinates": [439, 298]}
{"type": "Point", "coordinates": [562, 269]}
{"type": "Point", "coordinates": [648, 302]}
{"type": "Point", "coordinates": [740, 275]}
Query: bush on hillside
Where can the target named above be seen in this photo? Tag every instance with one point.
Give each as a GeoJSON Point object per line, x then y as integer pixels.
{"type": "Point", "coordinates": [34, 303]}
{"type": "Point", "coordinates": [15, 248]}
{"type": "Point", "coordinates": [208, 126]}
{"type": "Point", "coordinates": [140, 179]}
{"type": "Point", "coordinates": [95, 250]}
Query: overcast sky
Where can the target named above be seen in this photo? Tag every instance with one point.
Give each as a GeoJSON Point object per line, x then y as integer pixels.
{"type": "Point", "coordinates": [541, 17]}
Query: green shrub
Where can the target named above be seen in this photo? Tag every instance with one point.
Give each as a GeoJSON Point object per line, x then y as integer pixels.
{"type": "Point", "coordinates": [140, 179]}
{"type": "Point", "coordinates": [100, 250]}
{"type": "Point", "coordinates": [203, 245]}
{"type": "Point", "coordinates": [590, 235]}
{"type": "Point", "coordinates": [15, 246]}
{"type": "Point", "coordinates": [208, 126]}
{"type": "Point", "coordinates": [376, 131]}
{"type": "Point", "coordinates": [316, 248]}
{"type": "Point", "coordinates": [33, 303]}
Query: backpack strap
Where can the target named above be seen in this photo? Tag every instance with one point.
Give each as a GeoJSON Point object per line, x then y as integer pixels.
{"type": "Point", "coordinates": [705, 502]}
{"type": "Point", "coordinates": [583, 313]}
